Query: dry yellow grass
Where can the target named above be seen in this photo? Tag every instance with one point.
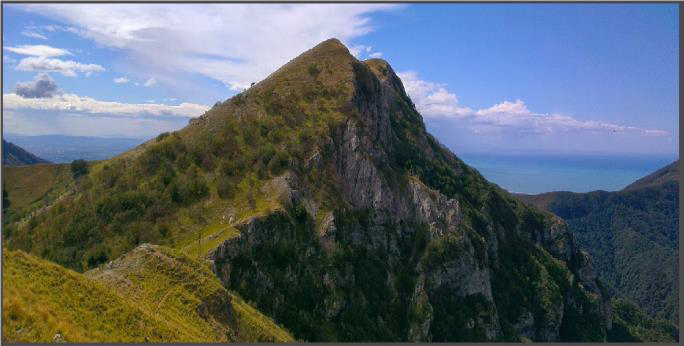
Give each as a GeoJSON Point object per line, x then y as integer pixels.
{"type": "Point", "coordinates": [152, 293]}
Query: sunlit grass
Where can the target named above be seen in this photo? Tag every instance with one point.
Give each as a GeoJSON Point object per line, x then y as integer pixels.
{"type": "Point", "coordinates": [151, 294]}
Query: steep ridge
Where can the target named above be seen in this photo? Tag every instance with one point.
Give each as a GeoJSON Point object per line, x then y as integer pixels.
{"type": "Point", "coordinates": [397, 256]}
{"type": "Point", "coordinates": [14, 155]}
{"type": "Point", "coordinates": [353, 222]}
{"type": "Point", "coordinates": [151, 294]}
{"type": "Point", "coordinates": [631, 234]}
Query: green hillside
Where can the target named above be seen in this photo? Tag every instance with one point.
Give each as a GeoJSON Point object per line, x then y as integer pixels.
{"type": "Point", "coordinates": [29, 188]}
{"type": "Point", "coordinates": [630, 324]}
{"type": "Point", "coordinates": [319, 195]}
{"type": "Point", "coordinates": [632, 236]}
{"type": "Point", "coordinates": [151, 294]}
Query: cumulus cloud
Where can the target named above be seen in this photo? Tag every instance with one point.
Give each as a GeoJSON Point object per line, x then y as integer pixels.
{"type": "Point", "coordinates": [235, 44]}
{"type": "Point", "coordinates": [38, 50]}
{"type": "Point", "coordinates": [86, 105]}
{"type": "Point", "coordinates": [121, 80]}
{"type": "Point", "coordinates": [361, 51]}
{"type": "Point", "coordinates": [434, 101]}
{"type": "Point", "coordinates": [42, 86]}
{"type": "Point", "coordinates": [151, 82]}
{"type": "Point", "coordinates": [515, 116]}
{"type": "Point", "coordinates": [65, 67]}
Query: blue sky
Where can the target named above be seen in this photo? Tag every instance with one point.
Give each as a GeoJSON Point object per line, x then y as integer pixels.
{"type": "Point", "coordinates": [576, 78]}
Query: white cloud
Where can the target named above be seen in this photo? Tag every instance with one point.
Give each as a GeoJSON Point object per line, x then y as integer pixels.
{"type": "Point", "coordinates": [34, 34]}
{"type": "Point", "coordinates": [356, 50]}
{"type": "Point", "coordinates": [121, 80]}
{"type": "Point", "coordinates": [235, 44]}
{"type": "Point", "coordinates": [87, 105]}
{"type": "Point", "coordinates": [38, 50]}
{"type": "Point", "coordinates": [151, 82]}
{"type": "Point", "coordinates": [37, 122]}
{"type": "Point", "coordinates": [434, 101]}
{"type": "Point", "coordinates": [65, 67]}
{"type": "Point", "coordinates": [360, 51]}
{"type": "Point", "coordinates": [53, 28]}
{"type": "Point", "coordinates": [516, 117]}
{"type": "Point", "coordinates": [517, 107]}
{"type": "Point", "coordinates": [431, 99]}
{"type": "Point", "coordinates": [8, 59]}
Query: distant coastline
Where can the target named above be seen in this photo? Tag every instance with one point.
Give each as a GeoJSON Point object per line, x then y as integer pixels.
{"type": "Point", "coordinates": [533, 174]}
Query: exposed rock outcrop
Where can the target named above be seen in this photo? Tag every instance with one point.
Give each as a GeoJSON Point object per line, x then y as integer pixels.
{"type": "Point", "coordinates": [433, 252]}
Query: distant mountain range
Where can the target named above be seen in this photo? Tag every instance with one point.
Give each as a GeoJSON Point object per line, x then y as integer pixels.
{"type": "Point", "coordinates": [64, 149]}
{"type": "Point", "coordinates": [14, 155]}
{"type": "Point", "coordinates": [632, 236]}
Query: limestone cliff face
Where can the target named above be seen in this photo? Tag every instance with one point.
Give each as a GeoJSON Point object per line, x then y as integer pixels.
{"type": "Point", "coordinates": [412, 244]}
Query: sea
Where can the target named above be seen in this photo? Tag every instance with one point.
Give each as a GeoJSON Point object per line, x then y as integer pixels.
{"type": "Point", "coordinates": [533, 174]}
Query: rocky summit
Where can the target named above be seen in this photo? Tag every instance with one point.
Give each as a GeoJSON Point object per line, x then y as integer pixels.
{"type": "Point", "coordinates": [386, 235]}
{"type": "Point", "coordinates": [318, 195]}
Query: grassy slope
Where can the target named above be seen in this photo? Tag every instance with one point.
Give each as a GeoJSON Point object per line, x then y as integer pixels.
{"type": "Point", "coordinates": [152, 293]}
{"type": "Point", "coordinates": [29, 187]}
{"type": "Point", "coordinates": [41, 299]}
{"type": "Point", "coordinates": [171, 188]}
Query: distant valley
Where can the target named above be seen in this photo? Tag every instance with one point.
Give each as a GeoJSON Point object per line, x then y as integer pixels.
{"type": "Point", "coordinates": [64, 149]}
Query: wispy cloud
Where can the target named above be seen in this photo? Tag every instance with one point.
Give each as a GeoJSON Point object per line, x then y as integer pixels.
{"type": "Point", "coordinates": [121, 80]}
{"type": "Point", "coordinates": [216, 40]}
{"type": "Point", "coordinates": [86, 105]}
{"type": "Point", "coordinates": [41, 58]}
{"type": "Point", "coordinates": [38, 50]}
{"type": "Point", "coordinates": [34, 34]}
{"type": "Point", "coordinates": [150, 82]}
{"type": "Point", "coordinates": [434, 101]}
{"type": "Point", "coordinates": [67, 68]}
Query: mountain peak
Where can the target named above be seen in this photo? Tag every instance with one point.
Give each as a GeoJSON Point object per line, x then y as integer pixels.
{"type": "Point", "coordinates": [331, 44]}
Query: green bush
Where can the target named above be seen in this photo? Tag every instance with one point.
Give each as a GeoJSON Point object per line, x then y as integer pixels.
{"type": "Point", "coordinates": [79, 168]}
{"type": "Point", "coordinates": [162, 136]}
{"type": "Point", "coordinates": [314, 71]}
{"type": "Point", "coordinates": [278, 163]}
{"type": "Point", "coordinates": [225, 187]}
